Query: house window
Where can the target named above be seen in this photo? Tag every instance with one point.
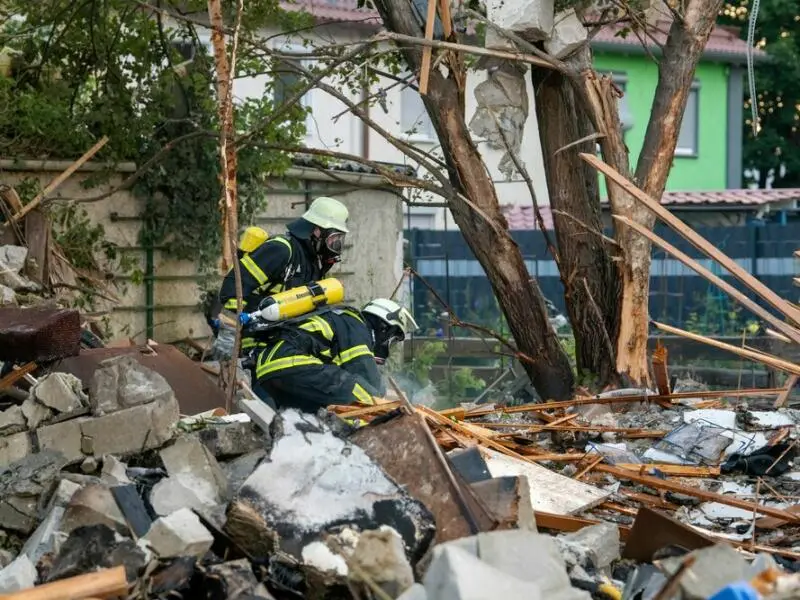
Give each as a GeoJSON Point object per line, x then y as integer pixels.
{"type": "Point", "coordinates": [414, 119]}
{"type": "Point", "coordinates": [287, 82]}
{"type": "Point", "coordinates": [688, 136]}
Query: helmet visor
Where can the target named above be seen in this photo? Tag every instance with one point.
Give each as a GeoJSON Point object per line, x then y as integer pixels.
{"type": "Point", "coordinates": [334, 242]}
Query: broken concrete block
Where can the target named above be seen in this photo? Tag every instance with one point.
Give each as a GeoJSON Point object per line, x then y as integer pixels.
{"type": "Point", "coordinates": [195, 479]}
{"type": "Point", "coordinates": [35, 412]}
{"type": "Point", "coordinates": [511, 551]}
{"type": "Point", "coordinates": [235, 580]}
{"type": "Point", "coordinates": [714, 568]}
{"type": "Point", "coordinates": [508, 500]}
{"type": "Point", "coordinates": [600, 544]}
{"type": "Point", "coordinates": [22, 483]}
{"type": "Point", "coordinates": [238, 470]}
{"type": "Point", "coordinates": [114, 472]}
{"type": "Point", "coordinates": [93, 504]}
{"type": "Point", "coordinates": [12, 261]}
{"type": "Point", "coordinates": [12, 420]}
{"type": "Point", "coordinates": [92, 548]}
{"type": "Point", "coordinates": [60, 391]}
{"type": "Point", "coordinates": [456, 574]}
{"type": "Point", "coordinates": [232, 439]}
{"type": "Point", "coordinates": [19, 575]}
{"type": "Point", "coordinates": [6, 558]}
{"type": "Point", "coordinates": [15, 447]}
{"type": "Point", "coordinates": [530, 19]}
{"type": "Point", "coordinates": [179, 534]}
{"type": "Point", "coordinates": [7, 296]}
{"type": "Point", "coordinates": [381, 557]}
{"type": "Point", "coordinates": [260, 413]}
{"type": "Point", "coordinates": [127, 431]}
{"type": "Point", "coordinates": [494, 40]}
{"type": "Point", "coordinates": [48, 537]}
{"type": "Point", "coordinates": [568, 34]}
{"type": "Point", "coordinates": [122, 382]}
{"type": "Point", "coordinates": [314, 481]}
{"type": "Point", "coordinates": [37, 334]}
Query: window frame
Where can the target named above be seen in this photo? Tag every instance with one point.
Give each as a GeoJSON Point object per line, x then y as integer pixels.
{"type": "Point", "coordinates": [306, 100]}
{"type": "Point", "coordinates": [694, 92]}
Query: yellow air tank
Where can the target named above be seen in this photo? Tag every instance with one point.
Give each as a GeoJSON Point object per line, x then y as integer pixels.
{"type": "Point", "coordinates": [252, 238]}
{"type": "Point", "coordinates": [301, 300]}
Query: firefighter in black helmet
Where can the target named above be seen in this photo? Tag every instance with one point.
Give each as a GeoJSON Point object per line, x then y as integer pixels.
{"type": "Point", "coordinates": [312, 245]}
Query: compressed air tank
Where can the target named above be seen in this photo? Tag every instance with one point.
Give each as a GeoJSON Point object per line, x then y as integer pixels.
{"type": "Point", "coordinates": [252, 238]}
{"type": "Point", "coordinates": [301, 300]}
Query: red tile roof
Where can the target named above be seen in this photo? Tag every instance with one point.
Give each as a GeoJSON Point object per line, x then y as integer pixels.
{"type": "Point", "coordinates": [335, 11]}
{"type": "Point", "coordinates": [522, 217]}
{"type": "Point", "coordinates": [723, 40]}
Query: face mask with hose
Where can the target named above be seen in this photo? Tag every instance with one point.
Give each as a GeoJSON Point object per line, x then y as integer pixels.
{"type": "Point", "coordinates": [390, 323]}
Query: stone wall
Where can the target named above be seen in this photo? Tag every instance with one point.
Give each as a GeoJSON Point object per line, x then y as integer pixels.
{"type": "Point", "coordinates": [371, 266]}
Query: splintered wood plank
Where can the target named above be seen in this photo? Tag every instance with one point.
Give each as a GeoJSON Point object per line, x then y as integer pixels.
{"type": "Point", "coordinates": [427, 51]}
{"type": "Point", "coordinates": [783, 398]}
{"type": "Point", "coordinates": [550, 492]}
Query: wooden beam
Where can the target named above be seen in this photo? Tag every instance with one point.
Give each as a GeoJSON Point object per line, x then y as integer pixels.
{"type": "Point", "coordinates": [697, 240]}
{"type": "Point", "coordinates": [427, 51]}
{"type": "Point", "coordinates": [101, 584]}
{"type": "Point", "coordinates": [726, 287]}
{"type": "Point", "coordinates": [566, 523]}
{"type": "Point", "coordinates": [755, 356]}
{"type": "Point", "coordinates": [17, 374]}
{"type": "Point", "coordinates": [783, 398]}
{"type": "Point", "coordinates": [671, 486]}
{"type": "Point", "coordinates": [674, 470]}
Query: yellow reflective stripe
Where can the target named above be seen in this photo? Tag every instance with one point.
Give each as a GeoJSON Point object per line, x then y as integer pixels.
{"type": "Point", "coordinates": [353, 314]}
{"type": "Point", "coordinates": [232, 304]}
{"type": "Point", "coordinates": [248, 343]}
{"type": "Point", "coordinates": [254, 270]}
{"type": "Point", "coordinates": [362, 396]}
{"type": "Point", "coordinates": [289, 362]}
{"type": "Point", "coordinates": [283, 241]}
{"type": "Point", "coordinates": [351, 353]}
{"type": "Point", "coordinates": [325, 328]}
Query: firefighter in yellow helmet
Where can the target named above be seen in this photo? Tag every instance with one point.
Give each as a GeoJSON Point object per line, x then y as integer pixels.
{"type": "Point", "coordinates": [331, 357]}
{"type": "Point", "coordinates": [305, 253]}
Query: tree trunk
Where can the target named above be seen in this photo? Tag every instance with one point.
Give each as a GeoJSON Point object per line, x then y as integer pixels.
{"type": "Point", "coordinates": [683, 49]}
{"type": "Point", "coordinates": [588, 273]}
{"type": "Point", "coordinates": [517, 293]}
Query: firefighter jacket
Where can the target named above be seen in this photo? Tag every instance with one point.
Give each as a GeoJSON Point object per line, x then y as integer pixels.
{"type": "Point", "coordinates": [280, 263]}
{"type": "Point", "coordinates": [324, 359]}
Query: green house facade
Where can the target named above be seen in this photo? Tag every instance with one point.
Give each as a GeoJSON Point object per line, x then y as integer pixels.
{"type": "Point", "coordinates": [709, 151]}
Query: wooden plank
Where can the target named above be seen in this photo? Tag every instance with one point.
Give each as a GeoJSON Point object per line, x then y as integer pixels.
{"type": "Point", "coordinates": [17, 374]}
{"type": "Point", "coordinates": [550, 492]}
{"type": "Point", "coordinates": [660, 369]}
{"type": "Point", "coordinates": [783, 398]}
{"type": "Point", "coordinates": [749, 304]}
{"type": "Point", "coordinates": [755, 356]}
{"type": "Point", "coordinates": [427, 51]}
{"type": "Point", "coordinates": [673, 470]}
{"type": "Point", "coordinates": [37, 238]}
{"type": "Point", "coordinates": [671, 486]}
{"type": "Point", "coordinates": [53, 185]}
{"type": "Point", "coordinates": [100, 584]}
{"type": "Point", "coordinates": [697, 240]}
{"type": "Point", "coordinates": [568, 524]}
{"type": "Point", "coordinates": [774, 523]}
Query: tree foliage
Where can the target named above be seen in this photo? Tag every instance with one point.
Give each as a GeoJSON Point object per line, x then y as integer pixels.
{"type": "Point", "coordinates": [776, 149]}
{"type": "Point", "coordinates": [81, 70]}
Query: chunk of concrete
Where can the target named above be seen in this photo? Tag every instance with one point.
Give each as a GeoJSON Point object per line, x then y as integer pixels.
{"type": "Point", "coordinates": [228, 440]}
{"type": "Point", "coordinates": [60, 391]}
{"type": "Point", "coordinates": [238, 470]}
{"type": "Point", "coordinates": [94, 504]}
{"type": "Point", "coordinates": [48, 536]}
{"type": "Point", "coordinates": [19, 575]}
{"type": "Point", "coordinates": [260, 413]}
{"type": "Point", "coordinates": [12, 420]}
{"type": "Point", "coordinates": [35, 412]}
{"type": "Point", "coordinates": [125, 432]}
{"type": "Point", "coordinates": [15, 447]}
{"type": "Point", "coordinates": [195, 479]}
{"type": "Point", "coordinates": [456, 574]}
{"type": "Point", "coordinates": [314, 481]}
{"type": "Point", "coordinates": [22, 484]}
{"type": "Point", "coordinates": [8, 297]}
{"type": "Point", "coordinates": [122, 382]}
{"type": "Point", "coordinates": [114, 472]}
{"type": "Point", "coordinates": [179, 534]}
{"type": "Point", "coordinates": [530, 19]}
{"type": "Point", "coordinates": [380, 556]}
{"type": "Point", "coordinates": [508, 500]}
{"type": "Point", "coordinates": [600, 544]}
{"type": "Point", "coordinates": [6, 558]}
{"type": "Point", "coordinates": [12, 261]}
{"type": "Point", "coordinates": [713, 569]}
{"type": "Point", "coordinates": [568, 34]}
